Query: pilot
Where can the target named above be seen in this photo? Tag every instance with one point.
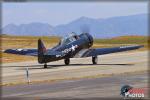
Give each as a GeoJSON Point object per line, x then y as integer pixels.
{"type": "Point", "coordinates": [73, 34]}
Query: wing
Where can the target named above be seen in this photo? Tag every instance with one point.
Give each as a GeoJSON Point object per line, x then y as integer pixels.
{"type": "Point", "coordinates": [102, 51]}
{"type": "Point", "coordinates": [34, 52]}
{"type": "Point", "coordinates": [29, 52]}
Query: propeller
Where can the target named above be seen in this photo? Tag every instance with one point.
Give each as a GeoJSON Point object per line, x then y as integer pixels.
{"type": "Point", "coordinates": [85, 28]}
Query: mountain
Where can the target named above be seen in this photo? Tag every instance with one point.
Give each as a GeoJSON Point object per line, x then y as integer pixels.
{"type": "Point", "coordinates": [99, 28]}
{"type": "Point", "coordinates": [34, 29]}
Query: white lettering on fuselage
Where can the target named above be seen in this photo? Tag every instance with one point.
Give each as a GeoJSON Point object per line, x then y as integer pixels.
{"type": "Point", "coordinates": [19, 49]}
{"type": "Point", "coordinates": [58, 55]}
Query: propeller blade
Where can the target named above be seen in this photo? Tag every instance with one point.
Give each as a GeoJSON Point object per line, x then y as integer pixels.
{"type": "Point", "coordinates": [85, 28]}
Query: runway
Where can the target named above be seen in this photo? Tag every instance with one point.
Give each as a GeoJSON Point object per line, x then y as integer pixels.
{"type": "Point", "coordinates": [80, 79]}
{"type": "Point", "coordinates": [117, 63]}
{"type": "Point", "coordinates": [108, 87]}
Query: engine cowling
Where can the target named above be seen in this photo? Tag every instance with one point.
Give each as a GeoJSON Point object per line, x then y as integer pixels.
{"type": "Point", "coordinates": [88, 38]}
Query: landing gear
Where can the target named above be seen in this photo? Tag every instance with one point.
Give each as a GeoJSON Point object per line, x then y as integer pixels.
{"type": "Point", "coordinates": [45, 65]}
{"type": "Point", "coordinates": [67, 61]}
{"type": "Point", "coordinates": [94, 59]}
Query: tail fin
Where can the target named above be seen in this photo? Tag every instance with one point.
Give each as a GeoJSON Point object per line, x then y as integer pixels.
{"type": "Point", "coordinates": [41, 51]}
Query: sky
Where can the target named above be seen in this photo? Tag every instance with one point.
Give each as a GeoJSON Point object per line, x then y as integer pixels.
{"type": "Point", "coordinates": [56, 13]}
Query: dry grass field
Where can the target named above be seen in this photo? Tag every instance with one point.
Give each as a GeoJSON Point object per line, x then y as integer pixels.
{"type": "Point", "coordinates": [31, 42]}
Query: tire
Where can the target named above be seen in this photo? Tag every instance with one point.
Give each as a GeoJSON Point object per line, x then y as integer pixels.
{"type": "Point", "coordinates": [67, 61]}
{"type": "Point", "coordinates": [45, 65]}
{"type": "Point", "coordinates": [94, 60]}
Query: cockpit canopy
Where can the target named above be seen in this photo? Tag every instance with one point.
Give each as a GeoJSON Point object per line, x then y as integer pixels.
{"type": "Point", "coordinates": [70, 38]}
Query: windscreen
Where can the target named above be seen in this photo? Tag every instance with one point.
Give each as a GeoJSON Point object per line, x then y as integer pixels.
{"type": "Point", "coordinates": [68, 39]}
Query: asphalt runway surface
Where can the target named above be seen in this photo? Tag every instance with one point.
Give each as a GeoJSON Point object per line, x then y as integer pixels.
{"type": "Point", "coordinates": [106, 87]}
{"type": "Point", "coordinates": [80, 79]}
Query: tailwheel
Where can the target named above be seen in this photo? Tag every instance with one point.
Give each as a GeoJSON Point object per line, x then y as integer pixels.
{"type": "Point", "coordinates": [45, 65]}
{"type": "Point", "coordinates": [94, 59]}
{"type": "Point", "coordinates": [67, 61]}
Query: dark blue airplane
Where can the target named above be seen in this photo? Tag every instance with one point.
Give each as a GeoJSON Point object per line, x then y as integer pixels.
{"type": "Point", "coordinates": [70, 47]}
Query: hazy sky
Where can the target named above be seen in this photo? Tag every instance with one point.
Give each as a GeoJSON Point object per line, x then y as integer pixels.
{"type": "Point", "coordinates": [56, 13]}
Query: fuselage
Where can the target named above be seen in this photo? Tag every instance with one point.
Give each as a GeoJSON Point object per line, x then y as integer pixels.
{"type": "Point", "coordinates": [69, 49]}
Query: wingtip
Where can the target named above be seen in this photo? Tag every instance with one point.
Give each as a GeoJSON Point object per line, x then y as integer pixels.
{"type": "Point", "coordinates": [141, 46]}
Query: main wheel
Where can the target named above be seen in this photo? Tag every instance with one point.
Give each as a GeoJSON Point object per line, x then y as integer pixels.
{"type": "Point", "coordinates": [94, 59]}
{"type": "Point", "coordinates": [67, 61]}
{"type": "Point", "coordinates": [45, 65]}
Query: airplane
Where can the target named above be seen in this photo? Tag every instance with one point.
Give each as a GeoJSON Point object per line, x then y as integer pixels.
{"type": "Point", "coordinates": [72, 46]}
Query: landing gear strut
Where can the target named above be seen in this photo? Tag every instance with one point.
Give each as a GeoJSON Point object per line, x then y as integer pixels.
{"type": "Point", "coordinates": [67, 61]}
{"type": "Point", "coordinates": [45, 65]}
{"type": "Point", "coordinates": [94, 59]}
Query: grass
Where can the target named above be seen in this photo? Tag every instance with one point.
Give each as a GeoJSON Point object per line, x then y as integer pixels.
{"type": "Point", "coordinates": [31, 42]}
{"type": "Point", "coordinates": [123, 40]}
{"type": "Point", "coordinates": [26, 41]}
{"type": "Point", "coordinates": [7, 58]}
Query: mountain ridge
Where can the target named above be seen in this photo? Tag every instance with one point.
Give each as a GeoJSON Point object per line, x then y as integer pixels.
{"type": "Point", "coordinates": [102, 28]}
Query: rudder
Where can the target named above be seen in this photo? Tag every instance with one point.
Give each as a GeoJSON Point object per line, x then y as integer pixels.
{"type": "Point", "coordinates": [41, 51]}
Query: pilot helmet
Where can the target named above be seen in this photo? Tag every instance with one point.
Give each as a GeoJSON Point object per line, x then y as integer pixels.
{"type": "Point", "coordinates": [72, 34]}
